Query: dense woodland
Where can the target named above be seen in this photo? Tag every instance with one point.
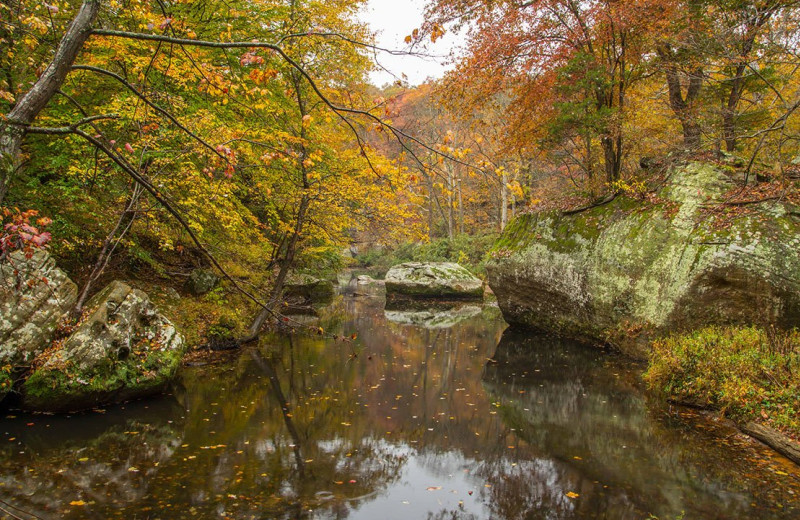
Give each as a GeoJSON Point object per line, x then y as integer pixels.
{"type": "Point", "coordinates": [144, 139]}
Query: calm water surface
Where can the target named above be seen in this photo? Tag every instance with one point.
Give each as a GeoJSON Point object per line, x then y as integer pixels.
{"type": "Point", "coordinates": [426, 414]}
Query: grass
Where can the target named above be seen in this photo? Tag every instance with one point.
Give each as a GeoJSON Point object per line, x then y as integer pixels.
{"type": "Point", "coordinates": [749, 373]}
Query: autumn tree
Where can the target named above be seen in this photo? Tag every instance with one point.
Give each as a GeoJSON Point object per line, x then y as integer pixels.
{"type": "Point", "coordinates": [716, 54]}
{"type": "Point", "coordinates": [582, 57]}
{"type": "Point", "coordinates": [222, 122]}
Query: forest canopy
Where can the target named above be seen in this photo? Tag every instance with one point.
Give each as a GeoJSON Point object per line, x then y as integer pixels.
{"type": "Point", "coordinates": [152, 138]}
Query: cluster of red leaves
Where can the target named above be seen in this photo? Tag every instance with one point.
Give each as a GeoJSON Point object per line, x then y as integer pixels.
{"type": "Point", "coordinates": [251, 57]}
{"type": "Point", "coordinates": [225, 161]}
{"type": "Point", "coordinates": [20, 233]}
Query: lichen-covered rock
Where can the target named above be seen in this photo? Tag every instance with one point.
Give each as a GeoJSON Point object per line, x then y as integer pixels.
{"type": "Point", "coordinates": [445, 280]}
{"type": "Point", "coordinates": [34, 296]}
{"type": "Point", "coordinates": [624, 272]}
{"type": "Point", "coordinates": [122, 349]}
{"type": "Point", "coordinates": [201, 281]}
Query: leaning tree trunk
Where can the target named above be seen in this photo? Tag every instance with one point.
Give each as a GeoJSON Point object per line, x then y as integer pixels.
{"type": "Point", "coordinates": [285, 265]}
{"type": "Point", "coordinates": [12, 129]}
{"type": "Point", "coordinates": [729, 111]}
{"type": "Point", "coordinates": [287, 262]}
{"type": "Point", "coordinates": [111, 242]}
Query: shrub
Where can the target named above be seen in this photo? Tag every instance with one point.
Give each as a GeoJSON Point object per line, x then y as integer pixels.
{"type": "Point", "coordinates": [471, 251]}
{"type": "Point", "coordinates": [747, 372]}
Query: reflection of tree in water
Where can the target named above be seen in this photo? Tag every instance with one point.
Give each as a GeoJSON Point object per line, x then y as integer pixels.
{"type": "Point", "coordinates": [116, 467]}
{"type": "Point", "coordinates": [305, 423]}
{"type": "Point", "coordinates": [458, 514]}
{"type": "Point", "coordinates": [263, 451]}
{"type": "Point", "coordinates": [581, 412]}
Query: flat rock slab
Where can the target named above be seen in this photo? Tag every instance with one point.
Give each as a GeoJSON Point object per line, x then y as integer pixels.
{"type": "Point", "coordinates": [433, 280]}
{"type": "Point", "coordinates": [306, 289]}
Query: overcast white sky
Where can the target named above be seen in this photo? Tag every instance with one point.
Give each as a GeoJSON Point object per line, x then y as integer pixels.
{"type": "Point", "coordinates": [394, 20]}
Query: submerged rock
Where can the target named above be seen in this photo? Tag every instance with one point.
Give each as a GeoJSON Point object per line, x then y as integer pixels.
{"type": "Point", "coordinates": [624, 272]}
{"type": "Point", "coordinates": [122, 349]}
{"type": "Point", "coordinates": [446, 280]}
{"type": "Point", "coordinates": [34, 296]}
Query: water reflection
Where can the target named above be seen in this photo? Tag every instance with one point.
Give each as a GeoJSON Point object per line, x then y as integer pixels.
{"type": "Point", "coordinates": [431, 316]}
{"type": "Point", "coordinates": [407, 421]}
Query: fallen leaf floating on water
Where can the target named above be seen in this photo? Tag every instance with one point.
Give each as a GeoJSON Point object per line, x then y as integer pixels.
{"type": "Point", "coordinates": [570, 494]}
{"type": "Point", "coordinates": [77, 503]}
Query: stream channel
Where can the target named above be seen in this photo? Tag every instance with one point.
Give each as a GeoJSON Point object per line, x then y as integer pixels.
{"type": "Point", "coordinates": [424, 415]}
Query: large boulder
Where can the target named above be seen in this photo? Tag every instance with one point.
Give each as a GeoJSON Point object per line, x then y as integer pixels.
{"type": "Point", "coordinates": [122, 349]}
{"type": "Point", "coordinates": [34, 296]}
{"type": "Point", "coordinates": [626, 272]}
{"type": "Point", "coordinates": [444, 280]}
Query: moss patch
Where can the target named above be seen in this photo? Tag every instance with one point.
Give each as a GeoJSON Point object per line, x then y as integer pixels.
{"type": "Point", "coordinates": [67, 388]}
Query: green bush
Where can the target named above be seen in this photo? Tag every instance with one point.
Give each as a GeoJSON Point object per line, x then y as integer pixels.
{"type": "Point", "coordinates": [471, 251]}
{"type": "Point", "coordinates": [747, 372]}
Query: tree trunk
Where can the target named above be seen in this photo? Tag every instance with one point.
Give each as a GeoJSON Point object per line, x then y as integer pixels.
{"type": "Point", "coordinates": [286, 263]}
{"type": "Point", "coordinates": [683, 107]}
{"type": "Point", "coordinates": [747, 42]}
{"type": "Point", "coordinates": [729, 110]}
{"type": "Point", "coordinates": [460, 209]}
{"type": "Point", "coordinates": [503, 201]}
{"type": "Point", "coordinates": [611, 156]}
{"type": "Point", "coordinates": [32, 102]}
{"type": "Point", "coordinates": [450, 203]}
{"type": "Point", "coordinates": [431, 206]}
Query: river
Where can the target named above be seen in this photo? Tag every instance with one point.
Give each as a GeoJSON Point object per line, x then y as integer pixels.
{"type": "Point", "coordinates": [423, 415]}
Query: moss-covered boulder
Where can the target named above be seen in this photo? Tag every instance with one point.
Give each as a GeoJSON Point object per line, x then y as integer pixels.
{"type": "Point", "coordinates": [438, 280]}
{"type": "Point", "coordinates": [304, 289]}
{"type": "Point", "coordinates": [34, 296]}
{"type": "Point", "coordinates": [625, 272]}
{"type": "Point", "coordinates": [121, 349]}
{"type": "Point", "coordinates": [201, 281]}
